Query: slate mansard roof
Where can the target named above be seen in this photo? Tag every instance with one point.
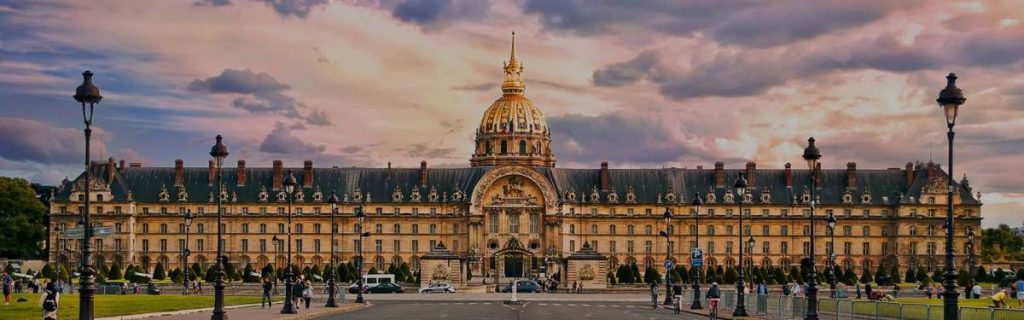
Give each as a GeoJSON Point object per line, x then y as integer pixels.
{"type": "Point", "coordinates": [455, 185]}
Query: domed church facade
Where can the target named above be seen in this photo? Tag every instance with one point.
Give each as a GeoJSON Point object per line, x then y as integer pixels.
{"type": "Point", "coordinates": [512, 213]}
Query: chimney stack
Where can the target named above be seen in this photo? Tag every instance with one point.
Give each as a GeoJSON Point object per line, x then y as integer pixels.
{"type": "Point", "coordinates": [179, 172]}
{"type": "Point", "coordinates": [719, 174]}
{"type": "Point", "coordinates": [751, 173]}
{"type": "Point", "coordinates": [909, 172]}
{"type": "Point", "coordinates": [111, 169]}
{"type": "Point", "coordinates": [307, 174]}
{"type": "Point", "coordinates": [240, 173]}
{"type": "Point", "coordinates": [121, 165]}
{"type": "Point", "coordinates": [700, 167]}
{"type": "Point", "coordinates": [817, 175]}
{"type": "Point", "coordinates": [423, 173]}
{"type": "Point", "coordinates": [212, 172]}
{"type": "Point", "coordinates": [135, 165]}
{"type": "Point", "coordinates": [851, 175]}
{"type": "Point", "coordinates": [789, 175]}
{"type": "Point", "coordinates": [278, 175]}
{"type": "Point", "coordinates": [604, 176]}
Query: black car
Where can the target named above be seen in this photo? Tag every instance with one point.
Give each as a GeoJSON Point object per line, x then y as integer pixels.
{"type": "Point", "coordinates": [386, 287]}
{"type": "Point", "coordinates": [523, 286]}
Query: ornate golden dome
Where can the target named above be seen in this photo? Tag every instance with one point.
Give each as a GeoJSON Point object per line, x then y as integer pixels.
{"type": "Point", "coordinates": [513, 130]}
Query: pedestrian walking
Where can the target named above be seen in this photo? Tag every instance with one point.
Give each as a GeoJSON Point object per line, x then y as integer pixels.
{"type": "Point", "coordinates": [580, 290]}
{"type": "Point", "coordinates": [307, 292]}
{"type": "Point", "coordinates": [1019, 287]}
{"type": "Point", "coordinates": [857, 288]}
{"type": "Point", "coordinates": [49, 301]}
{"type": "Point", "coordinates": [677, 294]}
{"type": "Point", "coordinates": [867, 290]}
{"type": "Point", "coordinates": [297, 293]}
{"type": "Point", "coordinates": [654, 294]}
{"type": "Point", "coordinates": [267, 287]}
{"type": "Point", "coordinates": [8, 286]}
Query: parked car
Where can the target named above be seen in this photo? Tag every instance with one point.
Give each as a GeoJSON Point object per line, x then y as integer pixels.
{"type": "Point", "coordinates": [387, 287]}
{"type": "Point", "coordinates": [438, 288]}
{"type": "Point", "coordinates": [372, 280]}
{"type": "Point", "coordinates": [523, 286]}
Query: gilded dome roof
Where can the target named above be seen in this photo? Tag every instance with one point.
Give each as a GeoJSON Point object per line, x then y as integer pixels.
{"type": "Point", "coordinates": [513, 112]}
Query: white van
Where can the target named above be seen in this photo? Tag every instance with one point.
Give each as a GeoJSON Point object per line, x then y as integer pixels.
{"type": "Point", "coordinates": [373, 280]}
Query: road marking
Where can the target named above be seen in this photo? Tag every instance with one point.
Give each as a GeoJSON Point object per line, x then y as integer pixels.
{"type": "Point", "coordinates": [572, 304]}
{"type": "Point", "coordinates": [556, 304]}
{"type": "Point", "coordinates": [600, 305]}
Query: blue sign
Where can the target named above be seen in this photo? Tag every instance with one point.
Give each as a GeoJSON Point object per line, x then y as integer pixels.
{"type": "Point", "coordinates": [669, 264]}
{"type": "Point", "coordinates": [697, 258]}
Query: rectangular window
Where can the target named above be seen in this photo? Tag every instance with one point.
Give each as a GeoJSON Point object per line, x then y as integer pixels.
{"type": "Point", "coordinates": [245, 245]}
{"type": "Point", "coordinates": [298, 245]}
{"type": "Point", "coordinates": [847, 231]}
{"type": "Point", "coordinates": [611, 246]}
{"type": "Point", "coordinates": [711, 247]}
{"type": "Point", "coordinates": [572, 245]}
{"type": "Point", "coordinates": [397, 210]}
{"type": "Point", "coordinates": [728, 213]}
{"type": "Point", "coordinates": [181, 244]}
{"type": "Point", "coordinates": [847, 248]}
{"type": "Point", "coordinates": [629, 230]}
{"type": "Point", "coordinates": [245, 210]}
{"type": "Point", "coordinates": [433, 244]}
{"type": "Point", "coordinates": [534, 223]}
{"type": "Point", "coordinates": [145, 245]}
{"type": "Point", "coordinates": [764, 247]}
{"type": "Point", "coordinates": [396, 246]}
{"type": "Point", "coordinates": [784, 247]}
{"type": "Point", "coordinates": [415, 246]}
{"type": "Point", "coordinates": [866, 231]}
{"type": "Point", "coordinates": [866, 248]}
{"type": "Point", "coordinates": [629, 246]}
{"type": "Point", "coordinates": [885, 231]}
{"type": "Point", "coordinates": [378, 245]}
{"type": "Point", "coordinates": [263, 245]}
{"type": "Point", "coordinates": [163, 245]}
{"type": "Point", "coordinates": [728, 247]}
{"type": "Point", "coordinates": [647, 211]}
{"type": "Point", "coordinates": [357, 246]}
{"type": "Point", "coordinates": [145, 228]}
{"type": "Point", "coordinates": [765, 230]}
{"type": "Point", "coordinates": [765, 212]}
{"type": "Point", "coordinates": [885, 249]}
{"type": "Point", "coordinates": [298, 211]}
{"type": "Point", "coordinates": [807, 248]}
{"type": "Point", "coordinates": [513, 223]}
{"type": "Point", "coordinates": [847, 213]}
{"type": "Point", "coordinates": [728, 230]}
{"type": "Point", "coordinates": [263, 210]}
{"type": "Point", "coordinates": [117, 228]}
{"type": "Point", "coordinates": [493, 225]}
{"type": "Point", "coordinates": [316, 228]}
{"type": "Point", "coordinates": [200, 245]}
{"type": "Point", "coordinates": [316, 245]}
{"type": "Point", "coordinates": [280, 228]}
{"type": "Point", "coordinates": [785, 212]}
{"type": "Point", "coordinates": [245, 228]}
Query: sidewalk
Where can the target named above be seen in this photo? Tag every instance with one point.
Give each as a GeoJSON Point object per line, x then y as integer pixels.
{"type": "Point", "coordinates": [250, 312]}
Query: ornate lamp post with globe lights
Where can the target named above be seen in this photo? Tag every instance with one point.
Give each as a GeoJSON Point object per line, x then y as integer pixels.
{"type": "Point", "coordinates": [812, 155]}
{"type": "Point", "coordinates": [832, 254]}
{"type": "Point", "coordinates": [741, 188]}
{"type": "Point", "coordinates": [361, 216]}
{"type": "Point", "coordinates": [950, 99]}
{"type": "Point", "coordinates": [697, 202]}
{"type": "Point", "coordinates": [668, 256]}
{"type": "Point", "coordinates": [88, 94]}
{"type": "Point", "coordinates": [289, 188]}
{"type": "Point", "coordinates": [185, 252]}
{"type": "Point", "coordinates": [331, 287]}
{"type": "Point", "coordinates": [219, 152]}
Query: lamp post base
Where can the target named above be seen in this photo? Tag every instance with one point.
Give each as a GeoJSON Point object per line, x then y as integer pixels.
{"type": "Point", "coordinates": [218, 299]}
{"type": "Point", "coordinates": [696, 298]}
{"type": "Point", "coordinates": [289, 307]}
{"type": "Point", "coordinates": [331, 303]}
{"type": "Point", "coordinates": [87, 291]}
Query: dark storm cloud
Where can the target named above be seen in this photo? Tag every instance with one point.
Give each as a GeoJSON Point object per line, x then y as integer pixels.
{"type": "Point", "coordinates": [296, 8]}
{"type": "Point", "coordinates": [260, 93]}
{"type": "Point", "coordinates": [239, 81]}
{"type": "Point", "coordinates": [40, 142]}
{"type": "Point", "coordinates": [280, 140]}
{"type": "Point", "coordinates": [751, 72]}
{"type": "Point", "coordinates": [432, 12]}
{"type": "Point", "coordinates": [662, 16]}
{"type": "Point", "coordinates": [994, 49]}
{"type": "Point", "coordinates": [616, 137]}
{"type": "Point", "coordinates": [777, 24]}
{"type": "Point", "coordinates": [427, 150]}
{"type": "Point", "coordinates": [625, 73]}
{"type": "Point", "coordinates": [212, 3]}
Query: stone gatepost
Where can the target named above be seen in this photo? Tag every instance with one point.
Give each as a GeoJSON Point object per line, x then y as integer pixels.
{"type": "Point", "coordinates": [587, 266]}
{"type": "Point", "coordinates": [440, 265]}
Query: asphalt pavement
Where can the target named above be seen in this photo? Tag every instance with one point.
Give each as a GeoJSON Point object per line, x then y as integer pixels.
{"type": "Point", "coordinates": [472, 310]}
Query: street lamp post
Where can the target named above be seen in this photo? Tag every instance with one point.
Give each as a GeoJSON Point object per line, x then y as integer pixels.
{"type": "Point", "coordinates": [697, 202]}
{"type": "Point", "coordinates": [185, 252]}
{"type": "Point", "coordinates": [950, 99]}
{"type": "Point", "coordinates": [88, 94]}
{"type": "Point", "coordinates": [289, 187]}
{"type": "Point", "coordinates": [812, 155]}
{"type": "Point", "coordinates": [970, 252]}
{"type": "Point", "coordinates": [361, 216]}
{"type": "Point", "coordinates": [668, 256]}
{"type": "Point", "coordinates": [741, 189]}
{"type": "Point", "coordinates": [832, 254]}
{"type": "Point", "coordinates": [331, 302]}
{"type": "Point", "coordinates": [57, 250]}
{"type": "Point", "coordinates": [275, 241]}
{"type": "Point", "coordinates": [219, 152]}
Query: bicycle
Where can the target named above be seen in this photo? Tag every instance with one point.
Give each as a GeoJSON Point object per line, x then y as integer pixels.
{"type": "Point", "coordinates": [713, 308]}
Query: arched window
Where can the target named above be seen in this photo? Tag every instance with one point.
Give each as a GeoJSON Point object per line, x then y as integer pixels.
{"type": "Point", "coordinates": [487, 150]}
{"type": "Point", "coordinates": [522, 146]}
{"type": "Point", "coordinates": [504, 147]}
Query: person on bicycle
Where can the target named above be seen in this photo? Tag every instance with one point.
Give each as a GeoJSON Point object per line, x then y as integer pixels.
{"type": "Point", "coordinates": [713, 296]}
{"type": "Point", "coordinates": [677, 294]}
{"type": "Point", "coordinates": [654, 294]}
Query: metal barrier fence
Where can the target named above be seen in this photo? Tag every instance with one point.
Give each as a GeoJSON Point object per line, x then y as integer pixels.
{"type": "Point", "coordinates": [777, 306]}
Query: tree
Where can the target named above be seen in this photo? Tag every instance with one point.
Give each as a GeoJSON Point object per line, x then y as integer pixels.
{"type": "Point", "coordinates": [315, 270]}
{"type": "Point", "coordinates": [176, 275]}
{"type": "Point", "coordinates": [999, 276]}
{"type": "Point", "coordinates": [65, 275]}
{"type": "Point", "coordinates": [373, 270]}
{"type": "Point", "coordinates": [115, 272]}
{"type": "Point", "coordinates": [101, 278]}
{"type": "Point", "coordinates": [268, 271]}
{"type": "Point", "coordinates": [937, 275]}
{"type": "Point", "coordinates": [403, 269]}
{"type": "Point", "coordinates": [159, 273]}
{"type": "Point", "coordinates": [711, 275]}
{"type": "Point", "coordinates": [651, 275]}
{"type": "Point", "coordinates": [881, 275]}
{"type": "Point", "coordinates": [730, 275]}
{"type": "Point", "coordinates": [211, 273]}
{"type": "Point", "coordinates": [894, 276]}
{"type": "Point", "coordinates": [22, 220]}
{"type": "Point", "coordinates": [392, 269]}
{"type": "Point", "coordinates": [963, 277]}
{"type": "Point", "coordinates": [229, 271]}
{"type": "Point", "coordinates": [865, 277]}
{"type": "Point", "coordinates": [911, 275]}
{"type": "Point", "coordinates": [922, 276]}
{"type": "Point", "coordinates": [624, 275]}
{"type": "Point", "coordinates": [48, 272]}
{"type": "Point", "coordinates": [129, 273]}
{"type": "Point", "coordinates": [851, 277]}
{"type": "Point", "coordinates": [795, 273]}
{"type": "Point", "coordinates": [247, 274]}
{"type": "Point", "coordinates": [980, 275]}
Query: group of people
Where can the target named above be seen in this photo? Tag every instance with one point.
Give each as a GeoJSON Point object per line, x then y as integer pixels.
{"type": "Point", "coordinates": [194, 286]}
{"type": "Point", "coordinates": [1001, 297]}
{"type": "Point", "coordinates": [302, 292]}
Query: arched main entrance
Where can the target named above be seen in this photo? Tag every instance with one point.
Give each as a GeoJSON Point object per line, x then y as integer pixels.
{"type": "Point", "coordinates": [514, 260]}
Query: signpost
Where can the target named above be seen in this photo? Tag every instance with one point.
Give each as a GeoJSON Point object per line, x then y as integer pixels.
{"type": "Point", "coordinates": [697, 257]}
{"type": "Point", "coordinates": [669, 264]}
{"type": "Point", "coordinates": [78, 233]}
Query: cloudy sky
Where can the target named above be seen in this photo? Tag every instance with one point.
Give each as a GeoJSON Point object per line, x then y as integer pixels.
{"type": "Point", "coordinates": [654, 83]}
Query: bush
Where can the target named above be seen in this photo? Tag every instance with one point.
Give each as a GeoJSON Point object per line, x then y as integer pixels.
{"type": "Point", "coordinates": [911, 275]}
{"type": "Point", "coordinates": [980, 275]}
{"type": "Point", "coordinates": [730, 275]}
{"type": "Point", "coordinates": [115, 272]}
{"type": "Point", "coordinates": [48, 272]}
{"type": "Point", "coordinates": [624, 275]}
{"type": "Point", "coordinates": [65, 275]}
{"type": "Point", "coordinates": [159, 273]}
{"type": "Point", "coordinates": [894, 276]}
{"type": "Point", "coordinates": [963, 277]}
{"type": "Point", "coordinates": [247, 275]}
{"type": "Point", "coordinates": [651, 275]}
{"type": "Point", "coordinates": [373, 270]}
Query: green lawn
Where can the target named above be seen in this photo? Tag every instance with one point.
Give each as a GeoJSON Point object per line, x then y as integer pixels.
{"type": "Point", "coordinates": [921, 309]}
{"type": "Point", "coordinates": [114, 305]}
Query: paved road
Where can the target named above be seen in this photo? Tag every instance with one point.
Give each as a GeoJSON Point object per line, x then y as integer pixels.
{"type": "Point", "coordinates": [393, 309]}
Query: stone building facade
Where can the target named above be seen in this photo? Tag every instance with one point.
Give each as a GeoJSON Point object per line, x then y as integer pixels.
{"type": "Point", "coordinates": [513, 213]}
